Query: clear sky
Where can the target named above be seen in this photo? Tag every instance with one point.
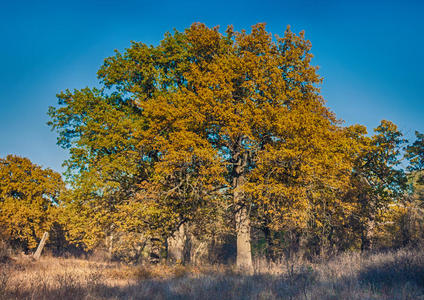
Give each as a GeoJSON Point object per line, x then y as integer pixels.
{"type": "Point", "coordinates": [369, 54]}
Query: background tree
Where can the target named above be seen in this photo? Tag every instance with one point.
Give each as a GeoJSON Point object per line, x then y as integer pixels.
{"type": "Point", "coordinates": [29, 197]}
{"type": "Point", "coordinates": [377, 180]}
{"type": "Point", "coordinates": [415, 153]}
{"type": "Point", "coordinates": [104, 167]}
{"type": "Point", "coordinates": [409, 225]}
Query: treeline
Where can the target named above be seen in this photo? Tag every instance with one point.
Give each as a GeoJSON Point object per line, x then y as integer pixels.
{"type": "Point", "coordinates": [215, 147]}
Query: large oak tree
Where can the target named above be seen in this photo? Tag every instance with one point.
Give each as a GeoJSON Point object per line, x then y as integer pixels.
{"type": "Point", "coordinates": [207, 118]}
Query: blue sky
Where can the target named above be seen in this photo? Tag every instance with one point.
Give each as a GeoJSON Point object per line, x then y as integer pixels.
{"type": "Point", "coordinates": [369, 54]}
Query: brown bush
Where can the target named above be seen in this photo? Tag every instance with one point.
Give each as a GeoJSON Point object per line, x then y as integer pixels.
{"type": "Point", "coordinates": [5, 252]}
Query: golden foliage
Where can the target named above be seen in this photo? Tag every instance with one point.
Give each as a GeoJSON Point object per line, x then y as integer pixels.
{"type": "Point", "coordinates": [29, 197]}
{"type": "Point", "coordinates": [207, 123]}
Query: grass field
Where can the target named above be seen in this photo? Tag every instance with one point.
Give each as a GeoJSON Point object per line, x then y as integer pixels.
{"type": "Point", "coordinates": [391, 275]}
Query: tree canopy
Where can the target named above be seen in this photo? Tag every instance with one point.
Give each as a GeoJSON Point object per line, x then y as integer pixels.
{"type": "Point", "coordinates": [208, 124]}
{"type": "Point", "coordinates": [415, 153]}
{"type": "Point", "coordinates": [29, 197]}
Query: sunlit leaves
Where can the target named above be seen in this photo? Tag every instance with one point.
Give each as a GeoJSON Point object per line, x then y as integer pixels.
{"type": "Point", "coordinates": [29, 197]}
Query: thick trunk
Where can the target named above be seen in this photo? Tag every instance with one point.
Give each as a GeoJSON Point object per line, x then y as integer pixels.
{"type": "Point", "coordinates": [176, 245]}
{"type": "Point", "coordinates": [244, 253]}
{"type": "Point", "coordinates": [367, 223]}
{"type": "Point", "coordinates": [198, 251]}
{"type": "Point", "coordinates": [366, 236]}
{"type": "Point", "coordinates": [242, 218]}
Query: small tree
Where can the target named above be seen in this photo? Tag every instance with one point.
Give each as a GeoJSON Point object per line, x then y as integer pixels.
{"type": "Point", "coordinates": [415, 153]}
{"type": "Point", "coordinates": [377, 181]}
{"type": "Point", "coordinates": [29, 197]}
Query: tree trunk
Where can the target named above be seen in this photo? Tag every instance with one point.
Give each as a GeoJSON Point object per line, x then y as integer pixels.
{"type": "Point", "coordinates": [366, 236]}
{"type": "Point", "coordinates": [176, 245]}
{"type": "Point", "coordinates": [37, 253]}
{"type": "Point", "coordinates": [242, 218]}
{"type": "Point", "coordinates": [244, 253]}
{"type": "Point", "coordinates": [109, 243]}
{"type": "Point", "coordinates": [155, 250]}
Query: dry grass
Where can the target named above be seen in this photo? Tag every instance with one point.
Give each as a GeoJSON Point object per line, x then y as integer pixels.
{"type": "Point", "coordinates": [392, 275]}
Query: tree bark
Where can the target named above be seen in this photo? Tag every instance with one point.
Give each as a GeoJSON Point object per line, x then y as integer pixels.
{"type": "Point", "coordinates": [110, 246]}
{"type": "Point", "coordinates": [242, 218]}
{"type": "Point", "coordinates": [37, 253]}
{"type": "Point", "coordinates": [244, 251]}
{"type": "Point", "coordinates": [155, 250]}
{"type": "Point", "coordinates": [366, 236]}
{"type": "Point", "coordinates": [176, 245]}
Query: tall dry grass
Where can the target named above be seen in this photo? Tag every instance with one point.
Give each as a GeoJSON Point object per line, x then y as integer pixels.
{"type": "Point", "coordinates": [390, 275]}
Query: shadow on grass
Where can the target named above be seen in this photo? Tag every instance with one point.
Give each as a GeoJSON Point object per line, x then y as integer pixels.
{"type": "Point", "coordinates": [213, 287]}
{"type": "Point", "coordinates": [204, 287]}
{"type": "Point", "coordinates": [399, 271]}
{"type": "Point", "coordinates": [386, 276]}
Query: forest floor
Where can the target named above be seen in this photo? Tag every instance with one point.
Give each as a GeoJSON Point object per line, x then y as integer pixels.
{"type": "Point", "coordinates": [389, 275]}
